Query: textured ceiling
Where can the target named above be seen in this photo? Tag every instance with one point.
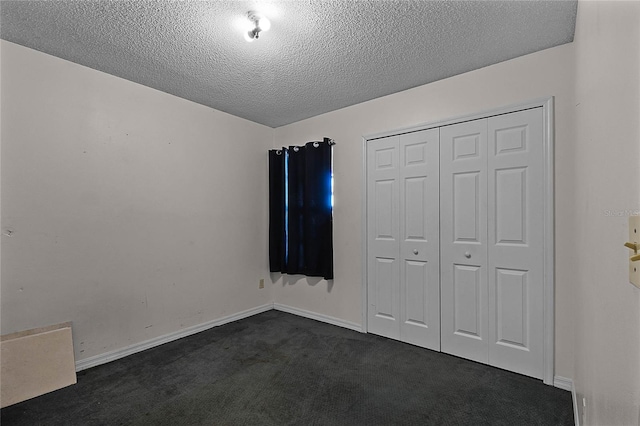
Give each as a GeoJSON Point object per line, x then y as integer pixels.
{"type": "Point", "coordinates": [320, 55]}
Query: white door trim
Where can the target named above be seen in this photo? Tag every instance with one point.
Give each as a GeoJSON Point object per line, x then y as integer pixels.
{"type": "Point", "coordinates": [547, 105]}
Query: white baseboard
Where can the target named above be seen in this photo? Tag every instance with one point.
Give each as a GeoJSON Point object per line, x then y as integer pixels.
{"type": "Point", "coordinates": [318, 317]}
{"type": "Point", "coordinates": [567, 384]}
{"type": "Point", "coordinates": [563, 383]}
{"type": "Point", "coordinates": [96, 360]}
{"type": "Point", "coordinates": [576, 412]}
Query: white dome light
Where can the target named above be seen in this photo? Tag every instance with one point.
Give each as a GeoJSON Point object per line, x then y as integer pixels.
{"type": "Point", "coordinates": [257, 24]}
{"type": "Point", "coordinates": [264, 24]}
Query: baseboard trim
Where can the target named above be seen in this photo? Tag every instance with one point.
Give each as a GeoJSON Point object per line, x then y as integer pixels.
{"type": "Point", "coordinates": [563, 383]}
{"type": "Point", "coordinates": [106, 357]}
{"type": "Point", "coordinates": [576, 412]}
{"type": "Point", "coordinates": [318, 317]}
{"type": "Point", "coordinates": [567, 384]}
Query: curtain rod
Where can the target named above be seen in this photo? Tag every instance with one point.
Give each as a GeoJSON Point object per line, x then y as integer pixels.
{"type": "Point", "coordinates": [329, 140]}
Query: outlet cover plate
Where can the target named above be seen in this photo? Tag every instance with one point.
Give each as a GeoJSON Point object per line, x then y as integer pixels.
{"type": "Point", "coordinates": [634, 237]}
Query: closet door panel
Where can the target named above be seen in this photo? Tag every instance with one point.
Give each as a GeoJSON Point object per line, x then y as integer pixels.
{"type": "Point", "coordinates": [419, 245]}
{"type": "Point", "coordinates": [516, 199]}
{"type": "Point", "coordinates": [467, 314]}
{"type": "Point", "coordinates": [463, 240]}
{"type": "Point", "coordinates": [383, 237]}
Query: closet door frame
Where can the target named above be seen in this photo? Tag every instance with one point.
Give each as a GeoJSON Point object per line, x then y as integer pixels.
{"type": "Point", "coordinates": [547, 105]}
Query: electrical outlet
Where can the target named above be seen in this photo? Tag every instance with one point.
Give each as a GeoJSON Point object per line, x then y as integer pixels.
{"type": "Point", "coordinates": [261, 285]}
{"type": "Point", "coordinates": [634, 239]}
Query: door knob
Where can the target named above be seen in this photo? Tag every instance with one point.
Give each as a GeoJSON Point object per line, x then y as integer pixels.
{"type": "Point", "coordinates": [467, 255]}
{"type": "Point", "coordinates": [415, 251]}
{"type": "Point", "coordinates": [635, 258]}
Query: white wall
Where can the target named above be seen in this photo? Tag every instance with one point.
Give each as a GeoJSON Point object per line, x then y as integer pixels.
{"type": "Point", "coordinates": [134, 213]}
{"type": "Point", "coordinates": [607, 177]}
{"type": "Point", "coordinates": [546, 73]}
{"type": "Point", "coordinates": [1, 229]}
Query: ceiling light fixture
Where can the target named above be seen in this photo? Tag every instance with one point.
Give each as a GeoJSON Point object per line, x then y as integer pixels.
{"type": "Point", "coordinates": [258, 24]}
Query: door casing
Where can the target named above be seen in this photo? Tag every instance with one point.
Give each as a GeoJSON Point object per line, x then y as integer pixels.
{"type": "Point", "coordinates": [548, 208]}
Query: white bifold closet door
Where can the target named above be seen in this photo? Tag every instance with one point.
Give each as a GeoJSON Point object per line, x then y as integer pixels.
{"type": "Point", "coordinates": [491, 229]}
{"type": "Point", "coordinates": [403, 287]}
{"type": "Point", "coordinates": [463, 230]}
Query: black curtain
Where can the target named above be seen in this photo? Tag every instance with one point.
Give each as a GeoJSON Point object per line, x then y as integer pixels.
{"type": "Point", "coordinates": [277, 228]}
{"type": "Point", "coordinates": [300, 210]}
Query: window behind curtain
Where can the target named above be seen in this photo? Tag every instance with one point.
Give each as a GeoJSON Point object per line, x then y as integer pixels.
{"type": "Point", "coordinates": [300, 210]}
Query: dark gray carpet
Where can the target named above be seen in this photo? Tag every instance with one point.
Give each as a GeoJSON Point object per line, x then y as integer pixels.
{"type": "Point", "coordinates": [280, 369]}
